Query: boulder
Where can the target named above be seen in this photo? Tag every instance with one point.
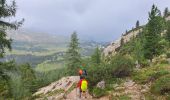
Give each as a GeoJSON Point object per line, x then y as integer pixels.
{"type": "Point", "coordinates": [101, 85]}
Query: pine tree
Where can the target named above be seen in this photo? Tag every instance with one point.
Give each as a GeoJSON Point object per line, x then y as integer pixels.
{"type": "Point", "coordinates": [152, 34]}
{"type": "Point", "coordinates": [6, 11]}
{"type": "Point", "coordinates": [137, 24]}
{"type": "Point", "coordinates": [96, 57]}
{"type": "Point", "coordinates": [73, 57]}
{"type": "Point", "coordinates": [166, 12]}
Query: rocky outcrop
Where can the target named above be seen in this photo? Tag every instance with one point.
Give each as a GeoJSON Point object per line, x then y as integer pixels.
{"type": "Point", "coordinates": [56, 90]}
{"type": "Point", "coordinates": [111, 49]}
{"type": "Point", "coordinates": [101, 85]}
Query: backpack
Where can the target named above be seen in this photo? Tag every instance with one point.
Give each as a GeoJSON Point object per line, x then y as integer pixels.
{"type": "Point", "coordinates": [84, 85]}
{"type": "Point", "coordinates": [80, 72]}
{"type": "Point", "coordinates": [84, 73]}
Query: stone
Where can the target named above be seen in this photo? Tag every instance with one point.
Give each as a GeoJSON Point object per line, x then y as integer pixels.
{"type": "Point", "coordinates": [101, 85]}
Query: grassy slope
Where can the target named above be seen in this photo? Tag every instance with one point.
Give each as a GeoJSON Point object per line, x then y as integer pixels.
{"type": "Point", "coordinates": [45, 66]}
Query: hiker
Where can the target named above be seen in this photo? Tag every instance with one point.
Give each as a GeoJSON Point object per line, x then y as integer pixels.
{"type": "Point", "coordinates": [84, 70]}
{"type": "Point", "coordinates": [80, 73]}
{"type": "Point", "coordinates": [82, 85]}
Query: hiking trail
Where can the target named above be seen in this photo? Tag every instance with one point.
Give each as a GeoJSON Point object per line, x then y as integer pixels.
{"type": "Point", "coordinates": [63, 89]}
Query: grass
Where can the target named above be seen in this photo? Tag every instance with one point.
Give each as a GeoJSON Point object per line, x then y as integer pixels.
{"type": "Point", "coordinates": [43, 53]}
{"type": "Point", "coordinates": [151, 73]}
{"type": "Point", "coordinates": [45, 67]}
{"type": "Point", "coordinates": [161, 86]}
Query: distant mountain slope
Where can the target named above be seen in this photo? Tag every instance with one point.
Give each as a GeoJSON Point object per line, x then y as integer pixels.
{"type": "Point", "coordinates": [30, 36]}
{"type": "Point", "coordinates": [111, 49]}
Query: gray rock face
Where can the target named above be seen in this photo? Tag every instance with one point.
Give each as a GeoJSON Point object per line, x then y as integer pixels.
{"type": "Point", "coordinates": [101, 85]}
{"type": "Point", "coordinates": [111, 49]}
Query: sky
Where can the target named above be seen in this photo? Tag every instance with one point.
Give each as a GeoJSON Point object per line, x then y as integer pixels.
{"type": "Point", "coordinates": [99, 20]}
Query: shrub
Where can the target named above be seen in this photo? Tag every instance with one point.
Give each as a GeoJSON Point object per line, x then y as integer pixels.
{"type": "Point", "coordinates": [121, 66]}
{"type": "Point", "coordinates": [161, 86]}
{"type": "Point", "coordinates": [97, 92]}
{"type": "Point", "coordinates": [168, 55]}
{"type": "Point", "coordinates": [17, 88]}
{"type": "Point", "coordinates": [148, 74]}
{"type": "Point", "coordinates": [158, 74]}
{"type": "Point", "coordinates": [45, 78]}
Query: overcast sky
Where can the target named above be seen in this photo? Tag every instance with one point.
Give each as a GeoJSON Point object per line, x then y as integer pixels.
{"type": "Point", "coordinates": [102, 20]}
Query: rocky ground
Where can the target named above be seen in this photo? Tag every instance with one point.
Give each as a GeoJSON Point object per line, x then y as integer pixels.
{"type": "Point", "coordinates": [65, 89]}
{"type": "Point", "coordinates": [131, 89]}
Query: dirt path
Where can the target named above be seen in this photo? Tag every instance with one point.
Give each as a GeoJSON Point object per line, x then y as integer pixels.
{"type": "Point", "coordinates": [133, 90]}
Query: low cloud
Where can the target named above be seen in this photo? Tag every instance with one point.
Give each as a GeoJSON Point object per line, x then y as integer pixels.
{"type": "Point", "coordinates": [102, 20]}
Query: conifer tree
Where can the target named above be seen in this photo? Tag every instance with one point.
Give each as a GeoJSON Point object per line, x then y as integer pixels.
{"type": "Point", "coordinates": [96, 57]}
{"type": "Point", "coordinates": [166, 12]}
{"type": "Point", "coordinates": [6, 11]}
{"type": "Point", "coordinates": [73, 57]}
{"type": "Point", "coordinates": [137, 24]}
{"type": "Point", "coordinates": [152, 34]}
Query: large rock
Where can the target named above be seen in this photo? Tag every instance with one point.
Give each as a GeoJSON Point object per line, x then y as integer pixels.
{"type": "Point", "coordinates": [101, 85]}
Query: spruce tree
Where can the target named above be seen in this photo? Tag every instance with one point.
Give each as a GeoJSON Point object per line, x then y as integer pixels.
{"type": "Point", "coordinates": [152, 34]}
{"type": "Point", "coordinates": [137, 24]}
{"type": "Point", "coordinates": [166, 12]}
{"type": "Point", "coordinates": [73, 57]}
{"type": "Point", "coordinates": [6, 11]}
{"type": "Point", "coordinates": [96, 57]}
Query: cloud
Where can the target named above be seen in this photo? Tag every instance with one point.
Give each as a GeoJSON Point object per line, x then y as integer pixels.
{"type": "Point", "coordinates": [102, 20]}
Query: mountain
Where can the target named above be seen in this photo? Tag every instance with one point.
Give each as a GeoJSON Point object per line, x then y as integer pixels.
{"type": "Point", "coordinates": [24, 35]}
{"type": "Point", "coordinates": [125, 38]}
{"type": "Point", "coordinates": [37, 47]}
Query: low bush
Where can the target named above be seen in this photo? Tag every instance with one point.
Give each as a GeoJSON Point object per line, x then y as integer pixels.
{"type": "Point", "coordinates": [45, 78]}
{"type": "Point", "coordinates": [161, 85]}
{"type": "Point", "coordinates": [149, 74]}
{"type": "Point", "coordinates": [168, 55]}
{"type": "Point", "coordinates": [97, 92]}
{"type": "Point", "coordinates": [121, 66]}
{"type": "Point", "coordinates": [158, 74]}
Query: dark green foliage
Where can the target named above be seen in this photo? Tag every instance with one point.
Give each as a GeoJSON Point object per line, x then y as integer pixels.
{"type": "Point", "coordinates": [28, 77]}
{"type": "Point", "coordinates": [97, 73]}
{"type": "Point", "coordinates": [161, 86]}
{"type": "Point", "coordinates": [149, 74]}
{"type": "Point", "coordinates": [73, 58]}
{"type": "Point", "coordinates": [168, 55]}
{"type": "Point", "coordinates": [158, 74]}
{"type": "Point", "coordinates": [44, 79]}
{"type": "Point", "coordinates": [18, 81]}
{"type": "Point", "coordinates": [166, 12]}
{"type": "Point", "coordinates": [5, 12]}
{"type": "Point", "coordinates": [118, 66]}
{"type": "Point", "coordinates": [134, 48]}
{"type": "Point", "coordinates": [97, 92]}
{"type": "Point", "coordinates": [121, 66]}
{"type": "Point", "coordinates": [96, 57]}
{"type": "Point", "coordinates": [152, 34]}
{"type": "Point", "coordinates": [137, 24]}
